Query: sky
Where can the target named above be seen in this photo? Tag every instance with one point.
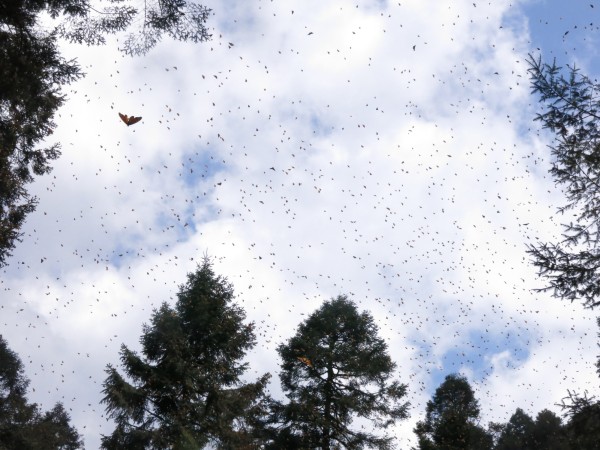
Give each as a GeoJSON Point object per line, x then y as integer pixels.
{"type": "Point", "coordinates": [382, 150]}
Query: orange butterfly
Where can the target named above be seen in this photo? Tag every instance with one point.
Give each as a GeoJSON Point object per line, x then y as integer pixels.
{"type": "Point", "coordinates": [305, 360]}
{"type": "Point", "coordinates": [129, 120]}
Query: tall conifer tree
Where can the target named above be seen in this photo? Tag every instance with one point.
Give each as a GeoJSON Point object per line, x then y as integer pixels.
{"type": "Point", "coordinates": [186, 389]}
{"type": "Point", "coordinates": [23, 426]}
{"type": "Point", "coordinates": [334, 370]}
{"type": "Point", "coordinates": [572, 112]}
{"type": "Point", "coordinates": [451, 421]}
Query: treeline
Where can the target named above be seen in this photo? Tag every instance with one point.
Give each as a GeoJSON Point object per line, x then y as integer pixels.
{"type": "Point", "coordinates": [185, 390]}
{"type": "Point", "coordinates": [452, 422]}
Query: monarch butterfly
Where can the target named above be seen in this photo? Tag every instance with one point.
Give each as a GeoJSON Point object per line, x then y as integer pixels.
{"type": "Point", "coordinates": [305, 360]}
{"type": "Point", "coordinates": [129, 120]}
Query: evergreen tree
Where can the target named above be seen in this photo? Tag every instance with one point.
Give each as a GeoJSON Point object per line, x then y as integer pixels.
{"type": "Point", "coordinates": [583, 427]}
{"type": "Point", "coordinates": [22, 425]}
{"type": "Point", "coordinates": [572, 112]}
{"type": "Point", "coordinates": [583, 412]}
{"type": "Point", "coordinates": [521, 432]}
{"type": "Point", "coordinates": [336, 369]}
{"type": "Point", "coordinates": [32, 74]}
{"type": "Point", "coordinates": [549, 433]}
{"type": "Point", "coordinates": [518, 433]}
{"type": "Point", "coordinates": [598, 362]}
{"type": "Point", "coordinates": [451, 420]}
{"type": "Point", "coordinates": [52, 431]}
{"type": "Point", "coordinates": [181, 20]}
{"type": "Point", "coordinates": [185, 392]}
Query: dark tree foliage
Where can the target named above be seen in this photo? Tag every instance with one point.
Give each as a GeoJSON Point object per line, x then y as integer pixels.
{"type": "Point", "coordinates": [181, 20]}
{"type": "Point", "coordinates": [517, 434]}
{"type": "Point", "coordinates": [521, 432]}
{"type": "Point", "coordinates": [451, 420]}
{"type": "Point", "coordinates": [583, 413]}
{"type": "Point", "coordinates": [52, 431]}
{"type": "Point", "coordinates": [32, 74]}
{"type": "Point", "coordinates": [336, 369]}
{"type": "Point", "coordinates": [572, 112]}
{"type": "Point", "coordinates": [583, 427]}
{"type": "Point", "coordinates": [15, 411]}
{"type": "Point", "coordinates": [87, 22]}
{"type": "Point", "coordinates": [185, 392]}
{"type": "Point", "coordinates": [549, 432]}
{"type": "Point", "coordinates": [598, 362]}
{"type": "Point", "coordinates": [22, 425]}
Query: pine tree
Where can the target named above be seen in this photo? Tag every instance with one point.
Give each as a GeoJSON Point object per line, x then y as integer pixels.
{"type": "Point", "coordinates": [549, 432]}
{"type": "Point", "coordinates": [518, 433]}
{"type": "Point", "coordinates": [336, 369]}
{"type": "Point", "coordinates": [583, 426]}
{"type": "Point", "coordinates": [583, 413]}
{"type": "Point", "coordinates": [521, 432]}
{"type": "Point", "coordinates": [22, 424]}
{"type": "Point", "coordinates": [181, 20]}
{"type": "Point", "coordinates": [598, 362]}
{"type": "Point", "coordinates": [185, 392]}
{"type": "Point", "coordinates": [572, 112]}
{"type": "Point", "coordinates": [31, 75]}
{"type": "Point", "coordinates": [451, 420]}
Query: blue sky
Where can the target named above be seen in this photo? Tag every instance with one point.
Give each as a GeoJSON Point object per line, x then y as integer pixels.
{"type": "Point", "coordinates": [311, 165]}
{"type": "Point", "coordinates": [568, 33]}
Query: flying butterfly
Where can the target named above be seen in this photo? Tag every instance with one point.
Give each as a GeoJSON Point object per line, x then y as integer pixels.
{"type": "Point", "coordinates": [129, 120]}
{"type": "Point", "coordinates": [304, 360]}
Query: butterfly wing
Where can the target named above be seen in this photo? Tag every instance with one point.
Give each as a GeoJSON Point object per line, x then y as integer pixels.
{"type": "Point", "coordinates": [133, 120]}
{"type": "Point", "coordinates": [305, 360]}
{"type": "Point", "coordinates": [124, 118]}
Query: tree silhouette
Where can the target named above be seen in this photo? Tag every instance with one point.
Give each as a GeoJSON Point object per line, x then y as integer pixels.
{"type": "Point", "coordinates": [31, 74]}
{"type": "Point", "coordinates": [333, 370]}
{"type": "Point", "coordinates": [572, 112]}
{"type": "Point", "coordinates": [583, 427]}
{"type": "Point", "coordinates": [521, 432]}
{"type": "Point", "coordinates": [181, 20]}
{"type": "Point", "coordinates": [517, 434]}
{"type": "Point", "coordinates": [549, 432]}
{"type": "Point", "coordinates": [598, 362]}
{"type": "Point", "coordinates": [451, 419]}
{"type": "Point", "coordinates": [22, 424]}
{"type": "Point", "coordinates": [186, 390]}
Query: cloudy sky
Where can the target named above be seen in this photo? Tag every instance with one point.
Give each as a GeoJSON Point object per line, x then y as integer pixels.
{"type": "Point", "coordinates": [383, 150]}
